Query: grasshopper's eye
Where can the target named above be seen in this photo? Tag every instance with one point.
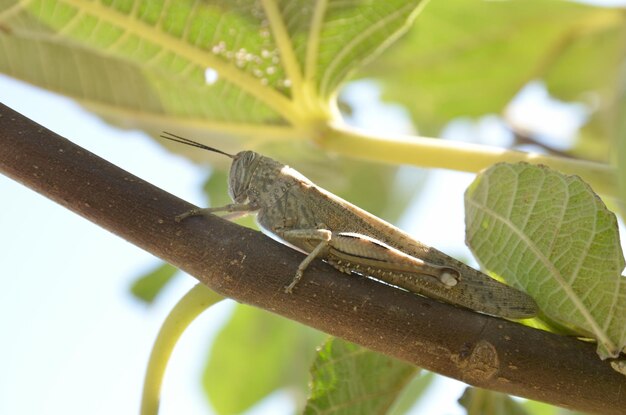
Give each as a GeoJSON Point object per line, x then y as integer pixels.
{"type": "Point", "coordinates": [241, 172]}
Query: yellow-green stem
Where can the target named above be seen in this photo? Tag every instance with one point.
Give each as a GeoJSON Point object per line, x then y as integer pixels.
{"type": "Point", "coordinates": [456, 155]}
{"type": "Point", "coordinates": [198, 299]}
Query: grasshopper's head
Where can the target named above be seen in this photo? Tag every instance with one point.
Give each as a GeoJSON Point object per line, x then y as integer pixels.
{"type": "Point", "coordinates": [253, 178]}
{"type": "Point", "coordinates": [251, 174]}
{"type": "Point", "coordinates": [241, 172]}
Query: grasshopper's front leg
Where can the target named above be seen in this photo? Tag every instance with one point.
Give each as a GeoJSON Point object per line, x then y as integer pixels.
{"type": "Point", "coordinates": [350, 252]}
{"type": "Point", "coordinates": [235, 210]}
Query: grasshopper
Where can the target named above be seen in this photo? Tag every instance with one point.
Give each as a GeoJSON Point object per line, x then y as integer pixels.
{"type": "Point", "coordinates": [324, 226]}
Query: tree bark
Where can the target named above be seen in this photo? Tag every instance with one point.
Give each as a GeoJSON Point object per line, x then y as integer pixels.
{"type": "Point", "coordinates": [249, 267]}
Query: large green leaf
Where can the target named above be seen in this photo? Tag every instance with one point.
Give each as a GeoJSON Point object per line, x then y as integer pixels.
{"type": "Point", "coordinates": [469, 58]}
{"type": "Point", "coordinates": [143, 63]}
{"type": "Point", "coordinates": [550, 235]}
{"type": "Point", "coordinates": [349, 379]}
{"type": "Point", "coordinates": [255, 354]}
{"type": "Point", "coordinates": [229, 69]}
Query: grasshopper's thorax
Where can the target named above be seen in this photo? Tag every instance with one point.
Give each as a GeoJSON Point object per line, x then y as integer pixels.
{"type": "Point", "coordinates": [256, 179]}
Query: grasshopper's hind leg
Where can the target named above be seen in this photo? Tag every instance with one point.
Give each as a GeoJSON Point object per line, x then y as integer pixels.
{"type": "Point", "coordinates": [235, 210]}
{"type": "Point", "coordinates": [353, 252]}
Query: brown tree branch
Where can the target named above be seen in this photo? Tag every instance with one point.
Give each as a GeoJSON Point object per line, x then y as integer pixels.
{"type": "Point", "coordinates": [247, 266]}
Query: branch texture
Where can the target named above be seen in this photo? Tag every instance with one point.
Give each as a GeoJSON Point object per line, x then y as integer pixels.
{"type": "Point", "coordinates": [247, 266]}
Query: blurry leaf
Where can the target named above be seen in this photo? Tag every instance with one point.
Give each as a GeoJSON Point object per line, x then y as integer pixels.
{"type": "Point", "coordinates": [620, 145]}
{"type": "Point", "coordinates": [551, 236]}
{"type": "Point", "coordinates": [541, 408]}
{"type": "Point", "coordinates": [148, 286]}
{"type": "Point", "coordinates": [484, 402]}
{"type": "Point", "coordinates": [595, 138]}
{"type": "Point", "coordinates": [349, 379]}
{"type": "Point", "coordinates": [229, 70]}
{"type": "Point", "coordinates": [412, 393]}
{"type": "Point", "coordinates": [216, 188]}
{"type": "Point", "coordinates": [469, 58]}
{"type": "Point", "coordinates": [604, 86]}
{"type": "Point", "coordinates": [587, 58]}
{"type": "Point", "coordinates": [255, 354]}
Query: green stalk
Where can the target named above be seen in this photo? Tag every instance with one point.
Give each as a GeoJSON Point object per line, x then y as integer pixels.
{"type": "Point", "coordinates": [456, 155]}
{"type": "Point", "coordinates": [198, 299]}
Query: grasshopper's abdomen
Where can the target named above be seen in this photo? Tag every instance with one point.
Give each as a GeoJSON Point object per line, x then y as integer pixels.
{"type": "Point", "coordinates": [470, 288]}
{"type": "Point", "coordinates": [491, 297]}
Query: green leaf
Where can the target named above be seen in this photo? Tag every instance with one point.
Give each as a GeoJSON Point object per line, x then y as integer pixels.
{"type": "Point", "coordinates": [216, 188]}
{"type": "Point", "coordinates": [590, 67]}
{"type": "Point", "coordinates": [484, 402]}
{"type": "Point", "coordinates": [620, 145]}
{"type": "Point", "coordinates": [349, 379]}
{"type": "Point", "coordinates": [588, 55]}
{"type": "Point", "coordinates": [229, 70]}
{"type": "Point", "coordinates": [540, 408]}
{"type": "Point", "coordinates": [255, 354]}
{"type": "Point", "coordinates": [279, 64]}
{"type": "Point", "coordinates": [469, 58]}
{"type": "Point", "coordinates": [551, 236]}
{"type": "Point", "coordinates": [148, 286]}
{"type": "Point", "coordinates": [412, 393]}
{"type": "Point", "coordinates": [364, 27]}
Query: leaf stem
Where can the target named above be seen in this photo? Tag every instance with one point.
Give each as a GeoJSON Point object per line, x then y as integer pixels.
{"type": "Point", "coordinates": [313, 41]}
{"type": "Point", "coordinates": [455, 155]}
{"type": "Point", "coordinates": [198, 299]}
{"type": "Point", "coordinates": [283, 41]}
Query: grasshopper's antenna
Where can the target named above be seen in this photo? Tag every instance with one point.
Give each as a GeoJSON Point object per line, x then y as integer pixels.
{"type": "Point", "coordinates": [183, 140]}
